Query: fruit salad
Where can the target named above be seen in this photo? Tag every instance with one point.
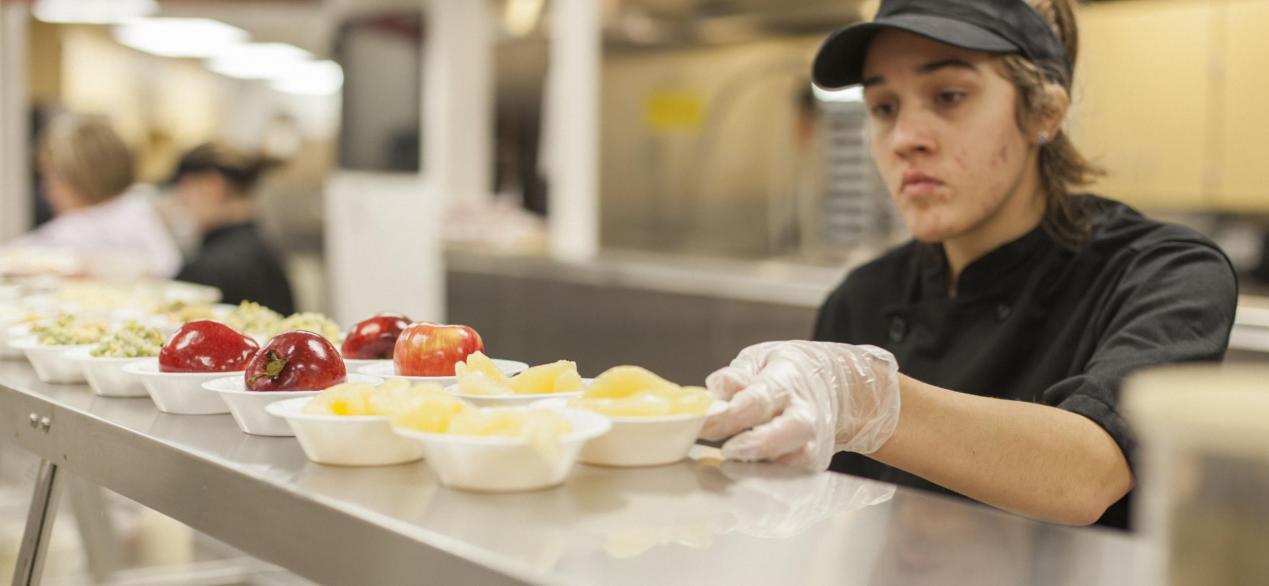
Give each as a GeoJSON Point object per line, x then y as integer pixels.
{"type": "Point", "coordinates": [132, 340]}
{"type": "Point", "coordinates": [631, 391]}
{"type": "Point", "coordinates": [67, 330]}
{"type": "Point", "coordinates": [478, 375]}
{"type": "Point", "coordinates": [252, 318]}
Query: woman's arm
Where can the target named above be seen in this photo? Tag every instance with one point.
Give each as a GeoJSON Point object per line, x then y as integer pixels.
{"type": "Point", "coordinates": [1031, 459]}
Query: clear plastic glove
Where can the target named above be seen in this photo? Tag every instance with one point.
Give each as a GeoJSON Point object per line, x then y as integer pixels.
{"type": "Point", "coordinates": [800, 402]}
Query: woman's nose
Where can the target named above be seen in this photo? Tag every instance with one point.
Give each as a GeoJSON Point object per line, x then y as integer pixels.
{"type": "Point", "coordinates": [911, 135]}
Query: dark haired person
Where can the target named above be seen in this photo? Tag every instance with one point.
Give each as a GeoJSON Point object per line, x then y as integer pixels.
{"type": "Point", "coordinates": [985, 356]}
{"type": "Point", "coordinates": [215, 184]}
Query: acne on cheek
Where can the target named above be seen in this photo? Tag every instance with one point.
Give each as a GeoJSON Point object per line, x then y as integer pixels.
{"type": "Point", "coordinates": [1001, 158]}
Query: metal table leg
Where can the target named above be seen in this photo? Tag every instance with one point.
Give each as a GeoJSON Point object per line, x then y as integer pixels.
{"type": "Point", "coordinates": [39, 524]}
{"type": "Point", "coordinates": [96, 531]}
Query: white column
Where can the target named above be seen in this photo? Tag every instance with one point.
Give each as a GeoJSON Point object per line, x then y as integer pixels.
{"type": "Point", "coordinates": [572, 119]}
{"type": "Point", "coordinates": [15, 188]}
{"type": "Point", "coordinates": [385, 232]}
{"type": "Point", "coordinates": [383, 247]}
{"type": "Point", "coordinates": [458, 98]}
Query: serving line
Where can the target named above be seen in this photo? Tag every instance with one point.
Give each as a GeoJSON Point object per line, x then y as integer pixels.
{"type": "Point", "coordinates": [691, 522]}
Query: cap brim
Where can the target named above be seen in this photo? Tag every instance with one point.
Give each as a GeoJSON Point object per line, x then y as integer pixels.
{"type": "Point", "coordinates": [840, 61]}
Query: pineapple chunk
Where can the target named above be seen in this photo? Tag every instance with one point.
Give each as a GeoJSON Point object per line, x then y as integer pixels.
{"type": "Point", "coordinates": [623, 381]}
{"type": "Point", "coordinates": [694, 400]}
{"type": "Point", "coordinates": [477, 362]}
{"type": "Point", "coordinates": [397, 396]}
{"type": "Point", "coordinates": [478, 383]}
{"type": "Point", "coordinates": [630, 391]}
{"type": "Point", "coordinates": [431, 412]}
{"type": "Point", "coordinates": [343, 399]}
{"type": "Point", "coordinates": [542, 428]}
{"type": "Point", "coordinates": [507, 423]}
{"type": "Point", "coordinates": [557, 377]}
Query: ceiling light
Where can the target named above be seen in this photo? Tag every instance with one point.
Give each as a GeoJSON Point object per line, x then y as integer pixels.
{"type": "Point", "coordinates": [522, 16]}
{"type": "Point", "coordinates": [92, 11]}
{"type": "Point", "coordinates": [313, 78]}
{"type": "Point", "coordinates": [180, 37]}
{"type": "Point", "coordinates": [258, 60]}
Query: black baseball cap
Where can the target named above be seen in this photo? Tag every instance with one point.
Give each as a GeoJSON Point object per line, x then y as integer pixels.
{"type": "Point", "coordinates": [994, 26]}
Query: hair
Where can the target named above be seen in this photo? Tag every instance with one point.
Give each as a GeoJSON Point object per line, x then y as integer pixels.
{"type": "Point", "coordinates": [240, 171]}
{"type": "Point", "coordinates": [87, 154]}
{"type": "Point", "coordinates": [1062, 167]}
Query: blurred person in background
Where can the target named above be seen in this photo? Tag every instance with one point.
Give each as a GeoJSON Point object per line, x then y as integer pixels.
{"type": "Point", "coordinates": [100, 217]}
{"type": "Point", "coordinates": [1018, 308]}
{"type": "Point", "coordinates": [215, 185]}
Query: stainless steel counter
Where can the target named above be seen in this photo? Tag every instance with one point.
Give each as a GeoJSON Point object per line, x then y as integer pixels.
{"type": "Point", "coordinates": [699, 521]}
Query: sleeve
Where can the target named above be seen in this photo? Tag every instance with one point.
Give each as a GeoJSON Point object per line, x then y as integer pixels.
{"type": "Point", "coordinates": [1175, 303]}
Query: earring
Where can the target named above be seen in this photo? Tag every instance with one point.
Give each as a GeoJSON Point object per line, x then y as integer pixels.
{"type": "Point", "coordinates": [1043, 138]}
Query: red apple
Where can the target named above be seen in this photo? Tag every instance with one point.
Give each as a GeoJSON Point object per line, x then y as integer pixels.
{"type": "Point", "coordinates": [298, 360]}
{"type": "Point", "coordinates": [206, 346]}
{"type": "Point", "coordinates": [374, 338]}
{"type": "Point", "coordinates": [428, 349]}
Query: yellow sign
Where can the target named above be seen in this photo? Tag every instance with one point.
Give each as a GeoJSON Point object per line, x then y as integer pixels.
{"type": "Point", "coordinates": [674, 111]}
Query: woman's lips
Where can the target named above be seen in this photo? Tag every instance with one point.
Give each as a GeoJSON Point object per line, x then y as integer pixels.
{"type": "Point", "coordinates": [917, 184]}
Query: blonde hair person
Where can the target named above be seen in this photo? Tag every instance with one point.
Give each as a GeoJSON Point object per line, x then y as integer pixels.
{"type": "Point", "coordinates": [984, 357]}
{"type": "Point", "coordinates": [100, 216]}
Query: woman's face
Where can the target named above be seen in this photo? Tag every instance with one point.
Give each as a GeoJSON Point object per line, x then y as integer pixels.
{"type": "Point", "coordinates": [204, 197]}
{"type": "Point", "coordinates": [945, 136]}
{"type": "Point", "coordinates": [60, 195]}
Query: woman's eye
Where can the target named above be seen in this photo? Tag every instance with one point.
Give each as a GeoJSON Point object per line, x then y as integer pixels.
{"type": "Point", "coordinates": [883, 110]}
{"type": "Point", "coordinates": [950, 98]}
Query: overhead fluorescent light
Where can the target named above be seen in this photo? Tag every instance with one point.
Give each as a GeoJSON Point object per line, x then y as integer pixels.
{"type": "Point", "coordinates": [92, 11]}
{"type": "Point", "coordinates": [258, 60]}
{"type": "Point", "coordinates": [312, 78]}
{"type": "Point", "coordinates": [846, 95]}
{"type": "Point", "coordinates": [522, 16]}
{"type": "Point", "coordinates": [180, 37]}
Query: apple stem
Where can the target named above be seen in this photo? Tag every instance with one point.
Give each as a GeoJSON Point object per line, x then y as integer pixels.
{"type": "Point", "coordinates": [273, 367]}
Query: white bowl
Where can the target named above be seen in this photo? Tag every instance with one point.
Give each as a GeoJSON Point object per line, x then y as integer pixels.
{"type": "Point", "coordinates": [179, 392]}
{"type": "Point", "coordinates": [387, 369]}
{"type": "Point", "coordinates": [357, 364]}
{"type": "Point", "coordinates": [643, 441]}
{"type": "Point", "coordinates": [7, 332]}
{"type": "Point", "coordinates": [505, 464]}
{"type": "Point", "coordinates": [515, 400]}
{"type": "Point", "coordinates": [105, 374]}
{"type": "Point", "coordinates": [50, 362]}
{"type": "Point", "coordinates": [248, 407]}
{"type": "Point", "coordinates": [346, 440]}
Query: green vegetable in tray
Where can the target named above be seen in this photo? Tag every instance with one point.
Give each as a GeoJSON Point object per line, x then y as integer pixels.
{"type": "Point", "coordinates": [67, 330]}
{"type": "Point", "coordinates": [252, 318]}
{"type": "Point", "coordinates": [132, 340]}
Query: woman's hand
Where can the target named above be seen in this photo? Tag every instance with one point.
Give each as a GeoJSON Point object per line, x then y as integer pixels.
{"type": "Point", "coordinates": [800, 402]}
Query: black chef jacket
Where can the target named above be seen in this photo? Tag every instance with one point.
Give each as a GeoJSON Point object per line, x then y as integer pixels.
{"type": "Point", "coordinates": [236, 260]}
{"type": "Point", "coordinates": [1034, 321]}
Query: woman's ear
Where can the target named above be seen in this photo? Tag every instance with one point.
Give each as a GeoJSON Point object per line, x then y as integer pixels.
{"type": "Point", "coordinates": [1051, 113]}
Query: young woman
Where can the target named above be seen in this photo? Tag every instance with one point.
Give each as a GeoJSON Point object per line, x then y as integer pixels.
{"type": "Point", "coordinates": [215, 184]}
{"type": "Point", "coordinates": [984, 357]}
